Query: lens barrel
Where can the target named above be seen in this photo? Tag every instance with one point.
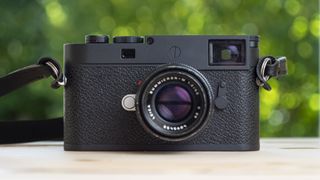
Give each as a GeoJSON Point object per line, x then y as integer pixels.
{"type": "Point", "coordinates": [174, 102]}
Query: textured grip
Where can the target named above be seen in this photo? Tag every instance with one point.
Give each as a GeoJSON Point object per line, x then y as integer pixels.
{"type": "Point", "coordinates": [95, 119]}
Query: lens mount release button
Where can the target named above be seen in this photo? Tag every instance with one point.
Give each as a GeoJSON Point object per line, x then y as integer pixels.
{"type": "Point", "coordinates": [128, 102]}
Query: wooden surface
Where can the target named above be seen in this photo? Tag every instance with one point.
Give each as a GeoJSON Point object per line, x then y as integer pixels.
{"type": "Point", "coordinates": [278, 158]}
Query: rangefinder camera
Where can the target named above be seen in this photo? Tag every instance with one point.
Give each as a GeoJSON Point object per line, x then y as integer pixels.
{"type": "Point", "coordinates": [162, 93]}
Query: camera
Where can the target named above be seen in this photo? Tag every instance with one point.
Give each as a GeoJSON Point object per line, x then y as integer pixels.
{"type": "Point", "coordinates": [162, 93]}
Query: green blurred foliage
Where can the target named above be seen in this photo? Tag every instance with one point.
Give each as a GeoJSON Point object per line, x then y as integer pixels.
{"type": "Point", "coordinates": [30, 29]}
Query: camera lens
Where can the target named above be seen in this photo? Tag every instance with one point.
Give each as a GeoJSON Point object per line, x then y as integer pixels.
{"type": "Point", "coordinates": [174, 102]}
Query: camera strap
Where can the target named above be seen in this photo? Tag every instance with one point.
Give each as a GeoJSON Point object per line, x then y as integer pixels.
{"type": "Point", "coordinates": [36, 130]}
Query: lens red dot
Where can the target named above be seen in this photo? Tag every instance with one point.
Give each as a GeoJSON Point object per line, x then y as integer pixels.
{"type": "Point", "coordinates": [138, 82]}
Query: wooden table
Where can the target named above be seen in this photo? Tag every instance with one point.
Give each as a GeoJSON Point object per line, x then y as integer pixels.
{"type": "Point", "coordinates": [277, 159]}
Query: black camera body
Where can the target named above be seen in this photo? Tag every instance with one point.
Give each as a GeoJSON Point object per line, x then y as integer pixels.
{"type": "Point", "coordinates": [162, 93]}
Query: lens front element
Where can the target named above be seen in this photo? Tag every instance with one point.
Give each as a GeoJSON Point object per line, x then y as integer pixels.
{"type": "Point", "coordinates": [173, 102]}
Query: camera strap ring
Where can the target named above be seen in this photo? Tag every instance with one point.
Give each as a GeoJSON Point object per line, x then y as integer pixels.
{"type": "Point", "coordinates": [263, 69]}
{"type": "Point", "coordinates": [269, 67]}
{"type": "Point", "coordinates": [57, 74]}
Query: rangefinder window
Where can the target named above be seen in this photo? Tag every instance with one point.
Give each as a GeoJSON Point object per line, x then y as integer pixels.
{"type": "Point", "coordinates": [226, 52]}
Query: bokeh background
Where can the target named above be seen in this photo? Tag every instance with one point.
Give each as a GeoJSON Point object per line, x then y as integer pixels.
{"type": "Point", "coordinates": [30, 29]}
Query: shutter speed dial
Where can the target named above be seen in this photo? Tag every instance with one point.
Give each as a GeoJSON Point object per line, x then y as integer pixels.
{"type": "Point", "coordinates": [128, 39]}
{"type": "Point", "coordinates": [93, 39]}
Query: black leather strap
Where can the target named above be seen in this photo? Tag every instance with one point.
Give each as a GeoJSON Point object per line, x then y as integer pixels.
{"type": "Point", "coordinates": [35, 130]}
{"type": "Point", "coordinates": [23, 77]}
{"type": "Point", "coordinates": [27, 131]}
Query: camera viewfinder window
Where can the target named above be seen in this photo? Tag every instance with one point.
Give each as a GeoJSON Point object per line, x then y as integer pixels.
{"type": "Point", "coordinates": [226, 52]}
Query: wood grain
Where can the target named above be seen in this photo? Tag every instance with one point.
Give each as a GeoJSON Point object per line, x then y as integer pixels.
{"type": "Point", "coordinates": [277, 158]}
